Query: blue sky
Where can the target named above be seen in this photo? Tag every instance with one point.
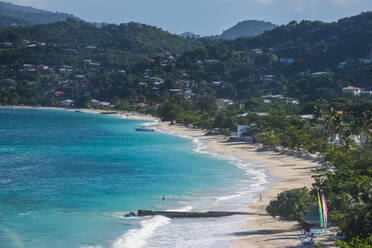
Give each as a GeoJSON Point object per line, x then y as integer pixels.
{"type": "Point", "coordinates": [204, 17]}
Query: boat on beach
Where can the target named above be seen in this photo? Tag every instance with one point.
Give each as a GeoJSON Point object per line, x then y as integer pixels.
{"type": "Point", "coordinates": [144, 129]}
{"type": "Point", "coordinates": [108, 113]}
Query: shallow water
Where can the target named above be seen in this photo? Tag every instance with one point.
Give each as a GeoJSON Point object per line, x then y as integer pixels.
{"type": "Point", "coordinates": [67, 179]}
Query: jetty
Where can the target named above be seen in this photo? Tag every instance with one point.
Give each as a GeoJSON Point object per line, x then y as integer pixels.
{"type": "Point", "coordinates": [176, 214]}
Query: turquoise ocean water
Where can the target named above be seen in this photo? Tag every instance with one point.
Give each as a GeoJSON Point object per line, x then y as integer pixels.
{"type": "Point", "coordinates": [67, 179]}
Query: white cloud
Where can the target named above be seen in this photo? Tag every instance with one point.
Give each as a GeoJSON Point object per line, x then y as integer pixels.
{"type": "Point", "coordinates": [42, 4]}
{"type": "Point", "coordinates": [345, 3]}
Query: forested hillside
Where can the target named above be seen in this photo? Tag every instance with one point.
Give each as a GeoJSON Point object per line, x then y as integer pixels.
{"type": "Point", "coordinates": [267, 83]}
{"type": "Point", "coordinates": [12, 14]}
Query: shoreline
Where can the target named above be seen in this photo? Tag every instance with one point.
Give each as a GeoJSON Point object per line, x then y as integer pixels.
{"type": "Point", "coordinates": [284, 172]}
{"type": "Point", "coordinates": [120, 114]}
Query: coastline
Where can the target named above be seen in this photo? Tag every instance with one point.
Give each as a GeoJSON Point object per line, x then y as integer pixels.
{"type": "Point", "coordinates": [285, 172]}
{"type": "Point", "coordinates": [121, 114]}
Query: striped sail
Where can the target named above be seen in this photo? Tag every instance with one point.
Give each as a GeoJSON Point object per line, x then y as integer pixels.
{"type": "Point", "coordinates": [320, 212]}
{"type": "Point", "coordinates": [325, 211]}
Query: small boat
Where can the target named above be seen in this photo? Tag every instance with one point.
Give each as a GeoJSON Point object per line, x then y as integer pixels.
{"type": "Point", "coordinates": [144, 129]}
{"type": "Point", "coordinates": [108, 113]}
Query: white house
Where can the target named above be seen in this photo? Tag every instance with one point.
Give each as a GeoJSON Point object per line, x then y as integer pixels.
{"type": "Point", "coordinates": [257, 51]}
{"type": "Point", "coordinates": [241, 130]}
{"type": "Point", "coordinates": [319, 73]}
{"type": "Point", "coordinates": [351, 89]}
{"type": "Point", "coordinates": [267, 78]}
{"type": "Point", "coordinates": [99, 103]}
{"type": "Point", "coordinates": [67, 102]}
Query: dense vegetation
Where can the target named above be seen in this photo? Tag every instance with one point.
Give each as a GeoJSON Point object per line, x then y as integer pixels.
{"type": "Point", "coordinates": [347, 183]}
{"type": "Point", "coordinates": [216, 85]}
{"type": "Point", "coordinates": [247, 29]}
{"type": "Point", "coordinates": [291, 204]}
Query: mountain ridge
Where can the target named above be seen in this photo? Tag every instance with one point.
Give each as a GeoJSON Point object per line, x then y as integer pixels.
{"type": "Point", "coordinates": [17, 15]}
{"type": "Point", "coordinates": [247, 28]}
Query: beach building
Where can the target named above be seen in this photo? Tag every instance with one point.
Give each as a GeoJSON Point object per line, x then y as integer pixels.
{"type": "Point", "coordinates": [245, 132]}
{"type": "Point", "coordinates": [142, 105]}
{"type": "Point", "coordinates": [100, 103]}
{"type": "Point", "coordinates": [67, 102]}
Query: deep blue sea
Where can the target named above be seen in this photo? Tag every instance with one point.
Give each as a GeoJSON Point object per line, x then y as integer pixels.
{"type": "Point", "coordinates": [68, 178]}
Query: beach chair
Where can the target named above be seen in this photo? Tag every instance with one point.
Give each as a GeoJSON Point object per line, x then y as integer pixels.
{"type": "Point", "coordinates": [308, 243]}
{"type": "Point", "coordinates": [316, 232]}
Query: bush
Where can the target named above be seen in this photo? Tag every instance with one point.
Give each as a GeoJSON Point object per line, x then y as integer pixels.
{"type": "Point", "coordinates": [225, 131]}
{"type": "Point", "coordinates": [291, 204]}
{"type": "Point", "coordinates": [356, 243]}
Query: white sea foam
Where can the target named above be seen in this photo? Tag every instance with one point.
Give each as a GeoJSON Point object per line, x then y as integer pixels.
{"type": "Point", "coordinates": [183, 209]}
{"type": "Point", "coordinates": [137, 238]}
{"type": "Point", "coordinates": [210, 232]}
{"type": "Point", "coordinates": [228, 197]}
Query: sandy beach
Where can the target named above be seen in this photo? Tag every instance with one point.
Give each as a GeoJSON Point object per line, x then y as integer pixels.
{"type": "Point", "coordinates": [284, 172]}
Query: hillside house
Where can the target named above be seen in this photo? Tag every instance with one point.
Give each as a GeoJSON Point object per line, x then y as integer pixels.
{"type": "Point", "coordinates": [343, 64]}
{"type": "Point", "coordinates": [366, 91]}
{"type": "Point", "coordinates": [58, 93]}
{"type": "Point", "coordinates": [70, 51]}
{"type": "Point", "coordinates": [175, 91]}
{"type": "Point", "coordinates": [286, 60]}
{"type": "Point", "coordinates": [257, 51]}
{"type": "Point", "coordinates": [290, 100]}
{"type": "Point", "coordinates": [351, 89]}
{"type": "Point", "coordinates": [318, 74]}
{"type": "Point", "coordinates": [223, 103]}
{"type": "Point", "coordinates": [365, 61]}
{"type": "Point", "coordinates": [267, 78]}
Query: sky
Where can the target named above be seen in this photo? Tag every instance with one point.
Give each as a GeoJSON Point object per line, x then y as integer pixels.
{"type": "Point", "coordinates": [203, 17]}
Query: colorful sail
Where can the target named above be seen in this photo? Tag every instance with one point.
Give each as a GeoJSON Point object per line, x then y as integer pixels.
{"type": "Point", "coordinates": [320, 212]}
{"type": "Point", "coordinates": [325, 211]}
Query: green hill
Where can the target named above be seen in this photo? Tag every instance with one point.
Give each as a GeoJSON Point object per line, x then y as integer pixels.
{"type": "Point", "coordinates": [16, 15]}
{"type": "Point", "coordinates": [131, 37]}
